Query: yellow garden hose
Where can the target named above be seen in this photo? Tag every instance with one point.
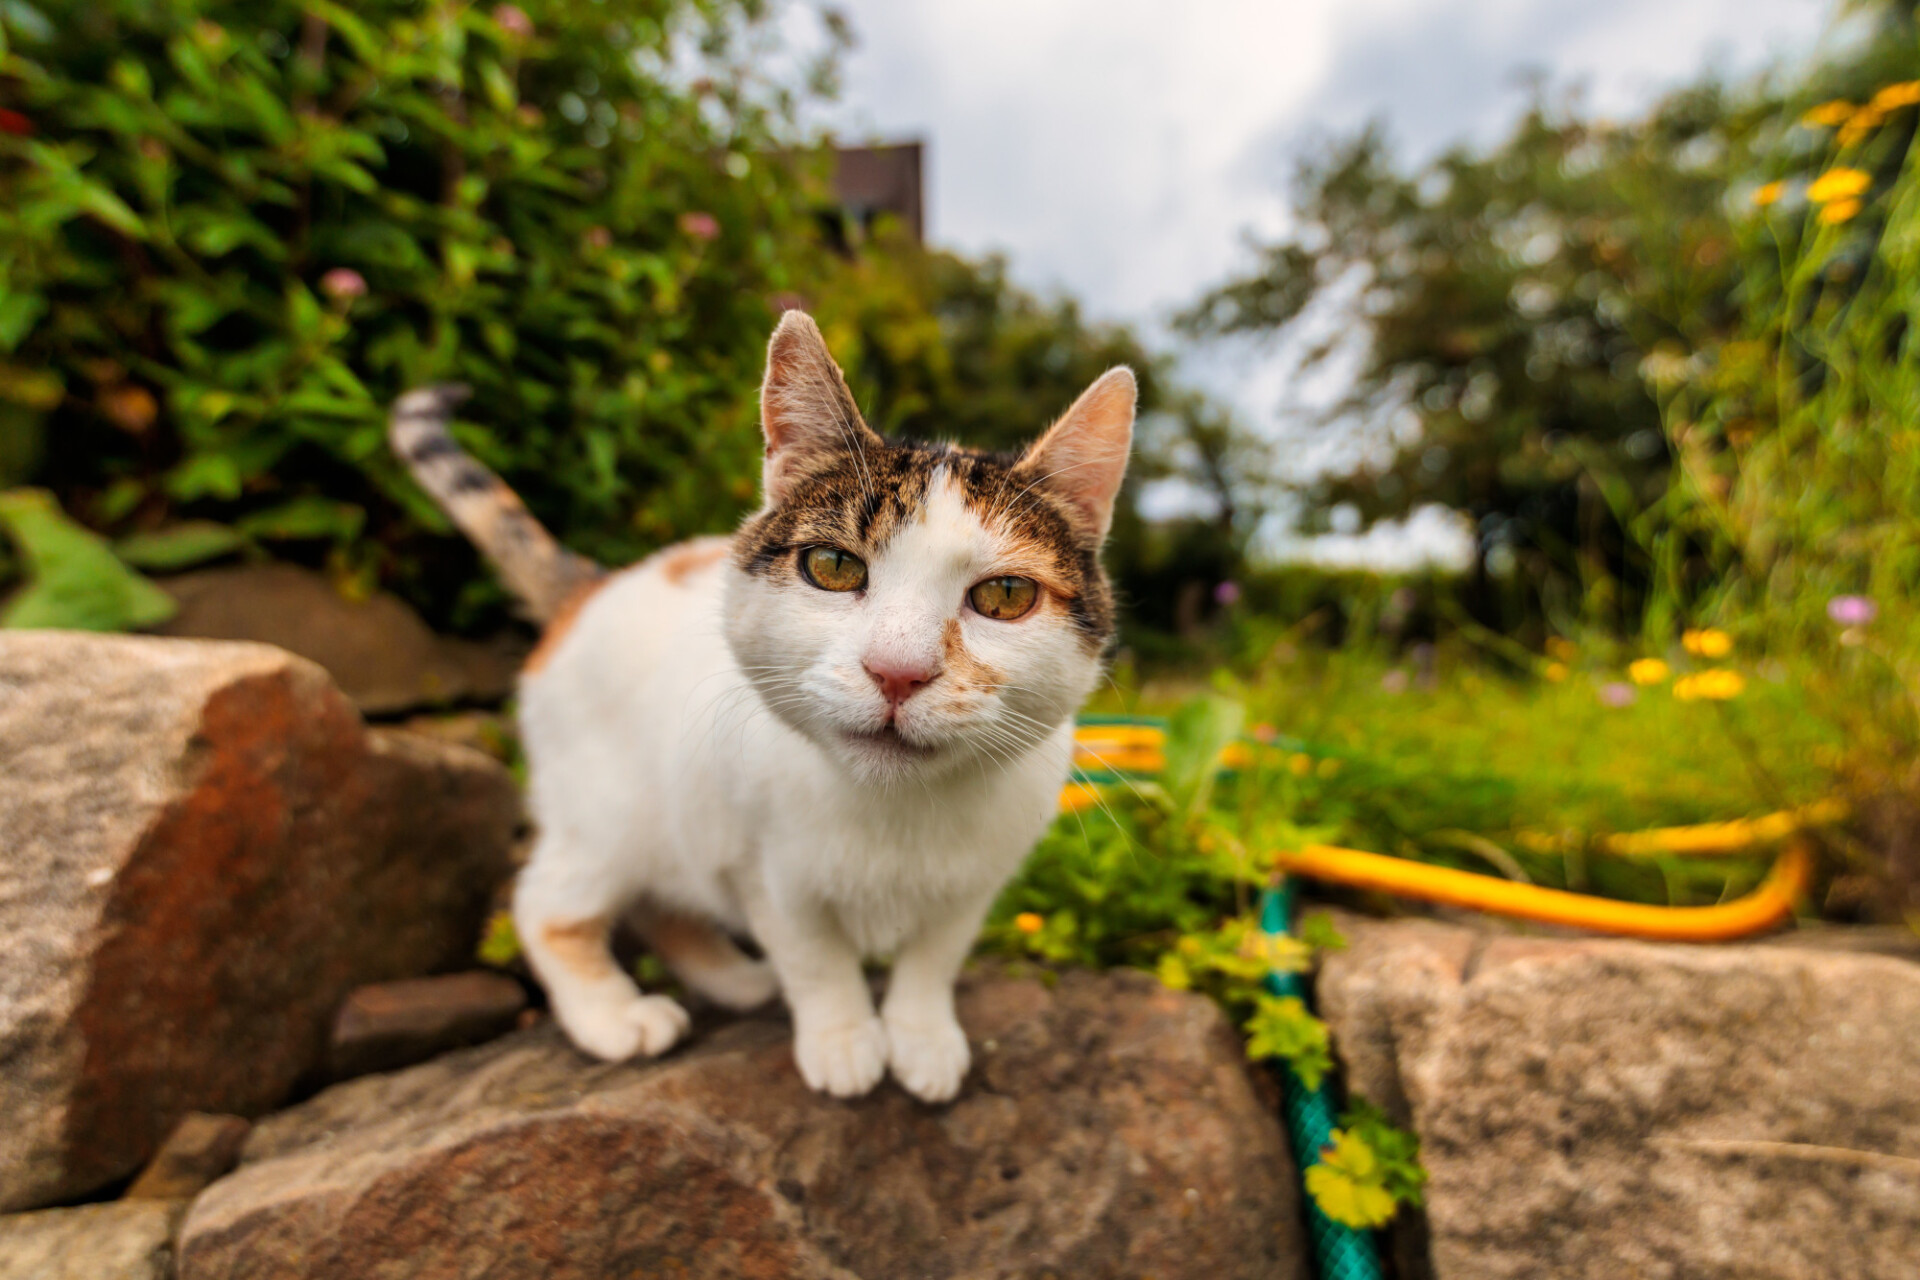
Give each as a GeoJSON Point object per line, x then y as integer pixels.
{"type": "Point", "coordinates": [1767, 905]}
{"type": "Point", "coordinates": [1119, 746]}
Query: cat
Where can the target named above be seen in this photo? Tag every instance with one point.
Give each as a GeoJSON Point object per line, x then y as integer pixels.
{"type": "Point", "coordinates": [838, 732]}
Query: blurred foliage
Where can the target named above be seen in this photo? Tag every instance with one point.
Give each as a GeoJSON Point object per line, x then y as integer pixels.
{"type": "Point", "coordinates": [1525, 311]}
{"type": "Point", "coordinates": [76, 581]}
{"type": "Point", "coordinates": [1514, 303]}
{"type": "Point", "coordinates": [1798, 434]}
{"type": "Point", "coordinates": [231, 233]}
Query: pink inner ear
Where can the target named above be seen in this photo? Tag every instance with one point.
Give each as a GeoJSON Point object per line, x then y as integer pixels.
{"type": "Point", "coordinates": [805, 407]}
{"type": "Point", "coordinates": [1083, 457]}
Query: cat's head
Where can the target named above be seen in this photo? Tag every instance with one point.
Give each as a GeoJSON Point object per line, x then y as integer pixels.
{"type": "Point", "coordinates": [912, 607]}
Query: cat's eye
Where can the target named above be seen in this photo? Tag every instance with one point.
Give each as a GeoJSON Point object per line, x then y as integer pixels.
{"type": "Point", "coordinates": [832, 569]}
{"type": "Point", "coordinates": [1004, 598]}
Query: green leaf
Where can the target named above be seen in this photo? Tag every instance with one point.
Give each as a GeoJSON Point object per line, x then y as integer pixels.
{"type": "Point", "coordinates": [308, 516]}
{"type": "Point", "coordinates": [205, 475]}
{"type": "Point", "coordinates": [1281, 1027]}
{"type": "Point", "coordinates": [19, 310]}
{"type": "Point", "coordinates": [74, 581]}
{"type": "Point", "coordinates": [180, 546]}
{"type": "Point", "coordinates": [1346, 1183]}
{"type": "Point", "coordinates": [1317, 931]}
{"type": "Point", "coordinates": [1198, 732]}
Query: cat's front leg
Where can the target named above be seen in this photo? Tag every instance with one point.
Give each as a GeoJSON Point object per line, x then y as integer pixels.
{"type": "Point", "coordinates": [926, 1048]}
{"type": "Point", "coordinates": [838, 1043]}
{"type": "Point", "coordinates": [564, 917]}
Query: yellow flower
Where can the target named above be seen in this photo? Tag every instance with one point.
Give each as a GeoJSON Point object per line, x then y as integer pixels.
{"type": "Point", "coordinates": [1709, 642]}
{"type": "Point", "coordinates": [1839, 184]}
{"type": "Point", "coordinates": [1904, 94]}
{"type": "Point", "coordinates": [1838, 212]}
{"type": "Point", "coordinates": [1859, 125]}
{"type": "Point", "coordinates": [1029, 922]}
{"type": "Point", "coordinates": [1769, 194]}
{"type": "Point", "coordinates": [1555, 671]}
{"type": "Point", "coordinates": [1647, 671]}
{"type": "Point", "coordinates": [1300, 765]}
{"type": "Point", "coordinates": [1828, 114]}
{"type": "Point", "coordinates": [1716, 685]}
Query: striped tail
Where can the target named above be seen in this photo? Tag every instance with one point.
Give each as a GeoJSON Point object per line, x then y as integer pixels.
{"type": "Point", "coordinates": [535, 568]}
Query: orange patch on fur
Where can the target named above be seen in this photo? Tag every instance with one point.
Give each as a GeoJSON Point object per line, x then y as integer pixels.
{"type": "Point", "coordinates": [961, 666]}
{"type": "Point", "coordinates": [679, 563]}
{"type": "Point", "coordinates": [687, 940]}
{"type": "Point", "coordinates": [556, 631]}
{"type": "Point", "coordinates": [580, 946]}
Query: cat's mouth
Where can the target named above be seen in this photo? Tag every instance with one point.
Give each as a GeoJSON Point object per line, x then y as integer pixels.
{"type": "Point", "coordinates": [889, 741]}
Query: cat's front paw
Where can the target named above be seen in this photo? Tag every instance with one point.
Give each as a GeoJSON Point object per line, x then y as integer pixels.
{"type": "Point", "coordinates": [846, 1060]}
{"type": "Point", "coordinates": [929, 1059]}
{"type": "Point", "coordinates": [644, 1026]}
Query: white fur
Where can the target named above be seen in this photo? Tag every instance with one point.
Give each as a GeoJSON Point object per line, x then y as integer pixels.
{"type": "Point", "coordinates": [690, 748]}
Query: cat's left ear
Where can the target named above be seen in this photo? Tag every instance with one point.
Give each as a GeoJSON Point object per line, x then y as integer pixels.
{"type": "Point", "coordinates": [1083, 457]}
{"type": "Point", "coordinates": [806, 412]}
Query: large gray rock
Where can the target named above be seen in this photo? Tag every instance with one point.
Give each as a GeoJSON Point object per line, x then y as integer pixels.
{"type": "Point", "coordinates": [202, 850]}
{"type": "Point", "coordinates": [131, 1240]}
{"type": "Point", "coordinates": [376, 649]}
{"type": "Point", "coordinates": [1604, 1109]}
{"type": "Point", "coordinates": [1110, 1128]}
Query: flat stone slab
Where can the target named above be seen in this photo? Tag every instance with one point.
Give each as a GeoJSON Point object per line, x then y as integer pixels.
{"type": "Point", "coordinates": [1110, 1128]}
{"type": "Point", "coordinates": [1592, 1108]}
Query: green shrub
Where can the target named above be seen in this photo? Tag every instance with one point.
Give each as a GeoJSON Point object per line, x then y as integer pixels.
{"type": "Point", "coordinates": [231, 232]}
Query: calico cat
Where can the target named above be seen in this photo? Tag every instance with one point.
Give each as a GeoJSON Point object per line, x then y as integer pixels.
{"type": "Point", "coordinates": [838, 732]}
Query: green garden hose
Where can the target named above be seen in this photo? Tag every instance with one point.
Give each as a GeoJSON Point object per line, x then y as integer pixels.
{"type": "Point", "coordinates": [1340, 1252]}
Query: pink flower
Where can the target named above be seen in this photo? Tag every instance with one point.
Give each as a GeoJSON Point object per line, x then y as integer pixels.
{"type": "Point", "coordinates": [599, 238]}
{"type": "Point", "coordinates": [701, 226]}
{"type": "Point", "coordinates": [1227, 593]}
{"type": "Point", "coordinates": [343, 284]}
{"type": "Point", "coordinates": [1852, 611]}
{"type": "Point", "coordinates": [1618, 693]}
{"type": "Point", "coordinates": [1395, 681]}
{"type": "Point", "coordinates": [513, 20]}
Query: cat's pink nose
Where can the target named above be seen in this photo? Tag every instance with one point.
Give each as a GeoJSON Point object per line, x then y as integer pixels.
{"type": "Point", "coordinates": [899, 680]}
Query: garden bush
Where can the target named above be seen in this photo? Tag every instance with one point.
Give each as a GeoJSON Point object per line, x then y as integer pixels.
{"type": "Point", "coordinates": [231, 232]}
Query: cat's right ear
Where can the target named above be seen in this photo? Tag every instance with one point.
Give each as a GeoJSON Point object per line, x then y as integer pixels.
{"type": "Point", "coordinates": [806, 411]}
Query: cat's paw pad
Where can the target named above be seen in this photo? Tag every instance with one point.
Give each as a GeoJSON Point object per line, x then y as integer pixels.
{"type": "Point", "coordinates": [645, 1026]}
{"type": "Point", "coordinates": [845, 1061]}
{"type": "Point", "coordinates": [928, 1059]}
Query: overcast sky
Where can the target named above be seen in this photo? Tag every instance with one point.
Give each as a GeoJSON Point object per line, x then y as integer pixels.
{"type": "Point", "coordinates": [1119, 149]}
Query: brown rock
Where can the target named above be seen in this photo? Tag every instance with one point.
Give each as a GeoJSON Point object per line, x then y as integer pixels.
{"type": "Point", "coordinates": [1602, 1109]}
{"type": "Point", "coordinates": [396, 1024]}
{"type": "Point", "coordinates": [201, 1148]}
{"type": "Point", "coordinates": [130, 1240]}
{"type": "Point", "coordinates": [201, 852]}
{"type": "Point", "coordinates": [377, 650]}
{"type": "Point", "coordinates": [1110, 1129]}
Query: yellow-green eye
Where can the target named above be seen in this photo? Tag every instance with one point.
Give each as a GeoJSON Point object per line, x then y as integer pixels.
{"type": "Point", "coordinates": [832, 569]}
{"type": "Point", "coordinates": [1004, 598]}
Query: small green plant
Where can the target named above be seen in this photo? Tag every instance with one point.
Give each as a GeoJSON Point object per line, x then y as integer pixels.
{"type": "Point", "coordinates": [1369, 1169]}
{"type": "Point", "coordinates": [1165, 875]}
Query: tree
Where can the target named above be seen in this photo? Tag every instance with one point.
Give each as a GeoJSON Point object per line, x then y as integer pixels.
{"type": "Point", "coordinates": [1521, 307]}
